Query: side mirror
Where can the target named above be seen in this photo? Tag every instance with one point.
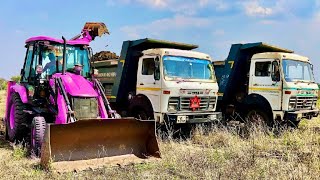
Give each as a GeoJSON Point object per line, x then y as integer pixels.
{"type": "Point", "coordinates": [275, 75]}
{"type": "Point", "coordinates": [156, 73]}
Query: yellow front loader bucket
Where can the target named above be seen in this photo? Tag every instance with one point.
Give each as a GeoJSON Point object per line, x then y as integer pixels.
{"type": "Point", "coordinates": [97, 142]}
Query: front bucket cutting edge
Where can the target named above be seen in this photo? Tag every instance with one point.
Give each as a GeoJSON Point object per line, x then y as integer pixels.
{"type": "Point", "coordinates": [99, 142]}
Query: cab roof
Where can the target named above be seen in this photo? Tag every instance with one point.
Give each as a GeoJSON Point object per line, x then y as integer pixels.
{"type": "Point", "coordinates": [59, 41]}
{"type": "Point", "coordinates": [280, 55]}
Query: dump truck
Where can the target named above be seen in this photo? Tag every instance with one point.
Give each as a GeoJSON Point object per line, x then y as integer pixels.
{"type": "Point", "coordinates": [266, 84]}
{"type": "Point", "coordinates": [161, 80]}
{"type": "Point", "coordinates": [60, 107]}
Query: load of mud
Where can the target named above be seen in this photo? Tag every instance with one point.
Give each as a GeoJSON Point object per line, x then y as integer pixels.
{"type": "Point", "coordinates": [104, 55]}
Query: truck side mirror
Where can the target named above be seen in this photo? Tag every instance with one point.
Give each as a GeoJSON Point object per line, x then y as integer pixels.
{"type": "Point", "coordinates": [275, 75]}
{"type": "Point", "coordinates": [156, 73]}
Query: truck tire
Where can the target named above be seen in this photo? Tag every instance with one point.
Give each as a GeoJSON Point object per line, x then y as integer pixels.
{"type": "Point", "coordinates": [37, 134]}
{"type": "Point", "coordinates": [17, 120]}
{"type": "Point", "coordinates": [141, 114]}
{"type": "Point", "coordinates": [258, 117]}
{"type": "Point", "coordinates": [141, 108]}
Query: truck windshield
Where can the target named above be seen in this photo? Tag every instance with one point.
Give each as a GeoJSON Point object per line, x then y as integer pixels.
{"type": "Point", "coordinates": [178, 67]}
{"type": "Point", "coordinates": [74, 56]}
{"type": "Point", "coordinates": [294, 70]}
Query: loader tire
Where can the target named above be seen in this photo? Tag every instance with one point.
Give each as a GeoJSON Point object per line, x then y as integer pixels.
{"type": "Point", "coordinates": [6, 135]}
{"type": "Point", "coordinates": [17, 120]}
{"type": "Point", "coordinates": [37, 134]}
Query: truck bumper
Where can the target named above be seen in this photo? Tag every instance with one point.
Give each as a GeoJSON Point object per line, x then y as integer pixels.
{"type": "Point", "coordinates": [181, 118]}
{"type": "Point", "coordinates": [298, 115]}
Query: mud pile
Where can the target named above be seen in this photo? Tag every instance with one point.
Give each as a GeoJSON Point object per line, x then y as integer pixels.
{"type": "Point", "coordinates": [104, 55]}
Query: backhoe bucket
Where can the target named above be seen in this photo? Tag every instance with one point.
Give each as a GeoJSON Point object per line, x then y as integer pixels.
{"type": "Point", "coordinates": [97, 142]}
{"type": "Point", "coordinates": [96, 28]}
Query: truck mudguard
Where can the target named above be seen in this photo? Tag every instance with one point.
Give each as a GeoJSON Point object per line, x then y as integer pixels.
{"type": "Point", "coordinates": [259, 102]}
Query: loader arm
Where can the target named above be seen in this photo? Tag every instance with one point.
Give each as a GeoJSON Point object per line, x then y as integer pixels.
{"type": "Point", "coordinates": [70, 116]}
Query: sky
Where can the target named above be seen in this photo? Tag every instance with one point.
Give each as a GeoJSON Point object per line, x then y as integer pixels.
{"type": "Point", "coordinates": [214, 25]}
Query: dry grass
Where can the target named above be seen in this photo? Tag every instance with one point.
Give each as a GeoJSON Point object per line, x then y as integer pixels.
{"type": "Point", "coordinates": [222, 154]}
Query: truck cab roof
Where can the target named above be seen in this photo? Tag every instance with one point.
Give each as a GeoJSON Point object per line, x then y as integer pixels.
{"type": "Point", "coordinates": [176, 52]}
{"type": "Point", "coordinates": [280, 55]}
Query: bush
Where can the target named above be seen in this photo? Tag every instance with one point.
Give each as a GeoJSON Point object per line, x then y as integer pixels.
{"type": "Point", "coordinates": [3, 84]}
{"type": "Point", "coordinates": [15, 78]}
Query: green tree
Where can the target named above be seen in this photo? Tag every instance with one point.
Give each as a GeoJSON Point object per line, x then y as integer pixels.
{"type": "Point", "coordinates": [3, 84]}
{"type": "Point", "coordinates": [15, 78]}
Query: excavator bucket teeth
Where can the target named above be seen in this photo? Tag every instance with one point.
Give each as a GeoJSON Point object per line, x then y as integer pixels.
{"type": "Point", "coordinates": [98, 142]}
{"type": "Point", "coordinates": [96, 28]}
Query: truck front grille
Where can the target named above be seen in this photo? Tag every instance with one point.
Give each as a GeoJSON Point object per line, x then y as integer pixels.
{"type": "Point", "coordinates": [85, 108]}
{"type": "Point", "coordinates": [183, 103]}
{"type": "Point", "coordinates": [302, 102]}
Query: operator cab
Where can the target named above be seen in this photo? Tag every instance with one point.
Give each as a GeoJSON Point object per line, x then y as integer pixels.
{"type": "Point", "coordinates": [44, 57]}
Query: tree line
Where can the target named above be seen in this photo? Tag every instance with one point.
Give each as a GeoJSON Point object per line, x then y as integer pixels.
{"type": "Point", "coordinates": [3, 82]}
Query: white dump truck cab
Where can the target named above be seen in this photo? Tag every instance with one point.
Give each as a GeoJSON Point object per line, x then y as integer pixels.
{"type": "Point", "coordinates": [180, 85]}
{"type": "Point", "coordinates": [263, 83]}
{"type": "Point", "coordinates": [286, 80]}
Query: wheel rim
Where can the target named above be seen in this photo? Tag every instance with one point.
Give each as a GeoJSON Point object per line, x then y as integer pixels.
{"type": "Point", "coordinates": [12, 116]}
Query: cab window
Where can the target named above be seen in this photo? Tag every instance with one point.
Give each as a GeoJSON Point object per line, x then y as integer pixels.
{"type": "Point", "coordinates": [148, 66]}
{"type": "Point", "coordinates": [263, 69]}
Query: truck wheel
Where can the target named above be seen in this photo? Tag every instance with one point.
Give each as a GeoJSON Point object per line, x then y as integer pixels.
{"type": "Point", "coordinates": [141, 114]}
{"type": "Point", "coordinates": [16, 123]}
{"type": "Point", "coordinates": [294, 124]}
{"type": "Point", "coordinates": [258, 117]}
{"type": "Point", "coordinates": [37, 133]}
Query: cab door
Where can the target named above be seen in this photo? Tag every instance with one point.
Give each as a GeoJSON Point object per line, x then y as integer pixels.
{"type": "Point", "coordinates": [265, 81]}
{"type": "Point", "coordinates": [148, 80]}
{"type": "Point", "coordinates": [28, 73]}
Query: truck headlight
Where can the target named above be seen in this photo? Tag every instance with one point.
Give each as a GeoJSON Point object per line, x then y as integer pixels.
{"type": "Point", "coordinates": [172, 108]}
{"type": "Point", "coordinates": [291, 106]}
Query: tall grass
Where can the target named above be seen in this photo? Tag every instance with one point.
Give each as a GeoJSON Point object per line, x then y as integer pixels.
{"type": "Point", "coordinates": [220, 154]}
{"type": "Point", "coordinates": [2, 108]}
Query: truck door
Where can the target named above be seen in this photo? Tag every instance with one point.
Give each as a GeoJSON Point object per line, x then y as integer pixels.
{"type": "Point", "coordinates": [264, 83]}
{"type": "Point", "coordinates": [148, 80]}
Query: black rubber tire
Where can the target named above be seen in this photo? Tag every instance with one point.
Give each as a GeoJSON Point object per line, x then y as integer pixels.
{"type": "Point", "coordinates": [141, 114]}
{"type": "Point", "coordinates": [38, 128]}
{"type": "Point", "coordinates": [264, 120]}
{"type": "Point", "coordinates": [294, 124]}
{"type": "Point", "coordinates": [6, 136]}
{"type": "Point", "coordinates": [20, 129]}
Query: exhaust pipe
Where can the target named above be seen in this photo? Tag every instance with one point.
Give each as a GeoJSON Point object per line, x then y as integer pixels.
{"type": "Point", "coordinates": [64, 56]}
